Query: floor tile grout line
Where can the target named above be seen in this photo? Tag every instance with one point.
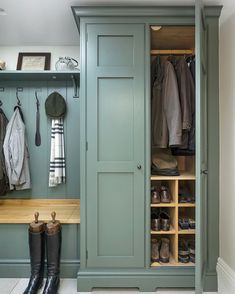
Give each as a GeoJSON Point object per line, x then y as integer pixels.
{"type": "Point", "coordinates": [17, 282]}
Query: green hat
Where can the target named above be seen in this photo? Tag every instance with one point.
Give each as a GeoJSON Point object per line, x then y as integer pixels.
{"type": "Point", "coordinates": [55, 105]}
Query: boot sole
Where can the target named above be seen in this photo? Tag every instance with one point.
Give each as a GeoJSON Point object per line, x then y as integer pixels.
{"type": "Point", "coordinates": [165, 260]}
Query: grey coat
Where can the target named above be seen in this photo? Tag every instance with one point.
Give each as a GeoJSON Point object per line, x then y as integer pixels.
{"type": "Point", "coordinates": [16, 153]}
{"type": "Point", "coordinates": [166, 111]}
{"type": "Point", "coordinates": [186, 92]}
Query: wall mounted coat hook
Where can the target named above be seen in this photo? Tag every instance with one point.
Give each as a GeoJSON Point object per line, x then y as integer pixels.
{"type": "Point", "coordinates": [17, 97]}
{"type": "Point", "coordinates": [75, 86]}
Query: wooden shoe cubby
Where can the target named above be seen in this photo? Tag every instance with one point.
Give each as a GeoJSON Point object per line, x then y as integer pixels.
{"type": "Point", "coordinates": [175, 209]}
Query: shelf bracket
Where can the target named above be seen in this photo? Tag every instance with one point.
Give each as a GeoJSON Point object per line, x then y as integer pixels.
{"type": "Point", "coordinates": [76, 86]}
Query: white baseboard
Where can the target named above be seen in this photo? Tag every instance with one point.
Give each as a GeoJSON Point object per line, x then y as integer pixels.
{"type": "Point", "coordinates": [226, 278]}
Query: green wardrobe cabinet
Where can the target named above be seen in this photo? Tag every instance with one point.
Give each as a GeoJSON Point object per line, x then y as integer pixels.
{"type": "Point", "coordinates": [115, 147]}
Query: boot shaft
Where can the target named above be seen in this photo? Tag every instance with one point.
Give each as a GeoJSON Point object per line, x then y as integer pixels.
{"type": "Point", "coordinates": [37, 252]}
{"type": "Point", "coordinates": [53, 247]}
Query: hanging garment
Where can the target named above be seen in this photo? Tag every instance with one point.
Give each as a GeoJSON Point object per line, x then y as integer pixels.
{"type": "Point", "coordinates": [186, 93]}
{"type": "Point", "coordinates": [187, 101]}
{"type": "Point", "coordinates": [16, 153]}
{"type": "Point", "coordinates": [4, 182]}
{"type": "Point", "coordinates": [191, 65]}
{"type": "Point", "coordinates": [166, 111]}
{"type": "Point", "coordinates": [57, 158]}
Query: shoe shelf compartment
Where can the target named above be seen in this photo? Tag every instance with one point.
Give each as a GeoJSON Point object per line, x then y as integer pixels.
{"type": "Point", "coordinates": [22, 211]}
{"type": "Point", "coordinates": [173, 251]}
{"type": "Point", "coordinates": [182, 205]}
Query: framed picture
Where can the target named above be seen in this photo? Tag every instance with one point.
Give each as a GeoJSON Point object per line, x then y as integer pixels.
{"type": "Point", "coordinates": [34, 61]}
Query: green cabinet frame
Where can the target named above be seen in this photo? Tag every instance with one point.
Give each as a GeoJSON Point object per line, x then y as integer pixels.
{"type": "Point", "coordinates": [146, 278]}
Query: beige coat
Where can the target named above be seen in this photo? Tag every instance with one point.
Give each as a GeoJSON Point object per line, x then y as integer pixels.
{"type": "Point", "coordinates": [166, 111]}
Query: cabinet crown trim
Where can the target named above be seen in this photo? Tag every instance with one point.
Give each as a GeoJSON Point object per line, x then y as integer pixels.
{"type": "Point", "coordinates": [188, 11]}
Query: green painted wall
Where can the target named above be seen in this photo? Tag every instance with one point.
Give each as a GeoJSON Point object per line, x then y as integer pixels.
{"type": "Point", "coordinates": [39, 156]}
{"type": "Point", "coordinates": [14, 252]}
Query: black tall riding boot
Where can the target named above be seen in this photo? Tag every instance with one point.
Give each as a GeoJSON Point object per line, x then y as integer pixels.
{"type": "Point", "coordinates": [37, 255]}
{"type": "Point", "coordinates": [53, 248]}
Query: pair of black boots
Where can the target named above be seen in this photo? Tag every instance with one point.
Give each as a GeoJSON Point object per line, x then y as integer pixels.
{"type": "Point", "coordinates": [39, 234]}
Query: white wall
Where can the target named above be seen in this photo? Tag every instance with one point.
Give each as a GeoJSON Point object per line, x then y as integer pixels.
{"type": "Point", "coordinates": [10, 53]}
{"type": "Point", "coordinates": [227, 141]}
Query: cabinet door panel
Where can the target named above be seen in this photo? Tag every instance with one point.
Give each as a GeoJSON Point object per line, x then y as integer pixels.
{"type": "Point", "coordinates": [201, 146]}
{"type": "Point", "coordinates": [115, 136]}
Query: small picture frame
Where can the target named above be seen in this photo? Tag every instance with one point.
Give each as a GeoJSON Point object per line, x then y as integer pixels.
{"type": "Point", "coordinates": [34, 61]}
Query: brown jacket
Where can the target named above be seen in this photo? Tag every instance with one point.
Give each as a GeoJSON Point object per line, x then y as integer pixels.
{"type": "Point", "coordinates": [166, 111]}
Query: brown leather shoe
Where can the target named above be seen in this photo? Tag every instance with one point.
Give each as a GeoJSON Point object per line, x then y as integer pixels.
{"type": "Point", "coordinates": [155, 196]}
{"type": "Point", "coordinates": [155, 250]}
{"type": "Point", "coordinates": [165, 194]}
{"type": "Point", "coordinates": [155, 222]}
{"type": "Point", "coordinates": [165, 250]}
{"type": "Point", "coordinates": [165, 221]}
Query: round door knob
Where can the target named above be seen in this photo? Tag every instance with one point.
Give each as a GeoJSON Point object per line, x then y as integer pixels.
{"type": "Point", "coordinates": [139, 166]}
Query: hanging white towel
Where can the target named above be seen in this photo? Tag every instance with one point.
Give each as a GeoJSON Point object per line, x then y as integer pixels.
{"type": "Point", "coordinates": [57, 158]}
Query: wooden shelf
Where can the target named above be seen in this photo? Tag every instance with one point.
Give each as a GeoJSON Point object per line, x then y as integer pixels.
{"type": "Point", "coordinates": [175, 209]}
{"type": "Point", "coordinates": [22, 211]}
{"type": "Point", "coordinates": [173, 52]}
{"type": "Point", "coordinates": [186, 232]}
{"type": "Point", "coordinates": [186, 205]}
{"type": "Point", "coordinates": [190, 264]}
{"type": "Point", "coordinates": [172, 262]}
{"type": "Point", "coordinates": [170, 232]}
{"type": "Point", "coordinates": [43, 75]}
{"type": "Point", "coordinates": [172, 204]}
{"type": "Point", "coordinates": [183, 176]}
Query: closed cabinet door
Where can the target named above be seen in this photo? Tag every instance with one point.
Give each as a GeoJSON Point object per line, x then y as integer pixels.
{"type": "Point", "coordinates": [201, 147]}
{"type": "Point", "coordinates": [115, 145]}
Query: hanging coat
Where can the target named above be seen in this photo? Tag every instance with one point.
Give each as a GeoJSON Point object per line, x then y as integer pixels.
{"type": "Point", "coordinates": [166, 111]}
{"type": "Point", "coordinates": [16, 153]}
{"type": "Point", "coordinates": [4, 183]}
{"type": "Point", "coordinates": [186, 93]}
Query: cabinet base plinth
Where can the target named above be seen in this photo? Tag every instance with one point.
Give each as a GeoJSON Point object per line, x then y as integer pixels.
{"type": "Point", "coordinates": [144, 280]}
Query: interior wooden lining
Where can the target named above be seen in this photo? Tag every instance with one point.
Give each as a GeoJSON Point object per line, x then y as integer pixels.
{"type": "Point", "coordinates": [173, 38]}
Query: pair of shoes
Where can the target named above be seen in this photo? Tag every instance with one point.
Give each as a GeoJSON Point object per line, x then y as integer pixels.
{"type": "Point", "coordinates": [155, 196]}
{"type": "Point", "coordinates": [185, 195]}
{"type": "Point", "coordinates": [191, 245]}
{"type": "Point", "coordinates": [161, 196]}
{"type": "Point", "coordinates": [187, 223]}
{"type": "Point", "coordinates": [186, 199]}
{"type": "Point", "coordinates": [160, 250]}
{"type": "Point", "coordinates": [186, 252]}
{"type": "Point", "coordinates": [160, 221]}
{"type": "Point", "coordinates": [39, 234]}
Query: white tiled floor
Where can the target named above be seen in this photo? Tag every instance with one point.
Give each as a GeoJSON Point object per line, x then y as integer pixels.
{"type": "Point", "coordinates": [69, 286]}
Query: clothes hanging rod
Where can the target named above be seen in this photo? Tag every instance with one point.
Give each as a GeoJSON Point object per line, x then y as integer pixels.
{"type": "Point", "coordinates": [173, 52]}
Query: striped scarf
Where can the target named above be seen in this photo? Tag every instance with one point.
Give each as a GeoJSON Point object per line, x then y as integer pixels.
{"type": "Point", "coordinates": [57, 158]}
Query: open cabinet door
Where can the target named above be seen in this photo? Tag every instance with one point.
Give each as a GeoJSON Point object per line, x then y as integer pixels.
{"type": "Point", "coordinates": [201, 146]}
